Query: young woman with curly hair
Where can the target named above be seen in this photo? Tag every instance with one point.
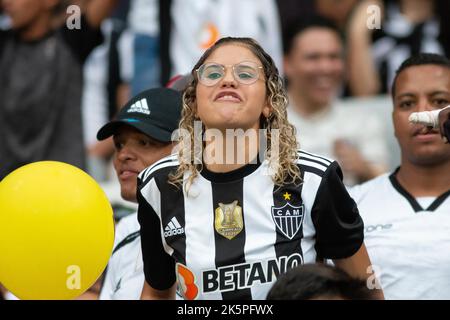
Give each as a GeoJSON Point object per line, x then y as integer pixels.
{"type": "Point", "coordinates": [222, 226]}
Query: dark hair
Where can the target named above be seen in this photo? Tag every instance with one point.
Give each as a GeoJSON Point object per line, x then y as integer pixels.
{"type": "Point", "coordinates": [419, 60]}
{"type": "Point", "coordinates": [301, 24]}
{"type": "Point", "coordinates": [318, 281]}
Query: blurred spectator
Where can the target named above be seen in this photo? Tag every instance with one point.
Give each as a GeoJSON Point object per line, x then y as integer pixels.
{"type": "Point", "coordinates": [143, 20]}
{"type": "Point", "coordinates": [291, 10]}
{"type": "Point", "coordinates": [318, 282]}
{"type": "Point", "coordinates": [336, 10]}
{"type": "Point", "coordinates": [107, 74]}
{"type": "Point", "coordinates": [198, 24]}
{"type": "Point", "coordinates": [407, 28]}
{"type": "Point", "coordinates": [314, 67]}
{"type": "Point", "coordinates": [41, 81]}
{"type": "Point", "coordinates": [407, 213]}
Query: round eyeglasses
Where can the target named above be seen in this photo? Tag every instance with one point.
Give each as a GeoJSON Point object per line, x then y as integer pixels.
{"type": "Point", "coordinates": [246, 72]}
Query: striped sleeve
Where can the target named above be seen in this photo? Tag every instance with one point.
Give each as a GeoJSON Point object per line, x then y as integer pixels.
{"type": "Point", "coordinates": [159, 266]}
{"type": "Point", "coordinates": [339, 227]}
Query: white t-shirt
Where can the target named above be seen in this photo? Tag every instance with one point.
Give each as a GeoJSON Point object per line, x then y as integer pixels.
{"type": "Point", "coordinates": [143, 17]}
{"type": "Point", "coordinates": [198, 24]}
{"type": "Point", "coordinates": [318, 133]}
{"type": "Point", "coordinates": [125, 275]}
{"type": "Point", "coordinates": [410, 245]}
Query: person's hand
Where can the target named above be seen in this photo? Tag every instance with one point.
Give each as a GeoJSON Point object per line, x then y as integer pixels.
{"type": "Point", "coordinates": [363, 75]}
{"type": "Point", "coordinates": [352, 161]}
{"type": "Point", "coordinates": [444, 124]}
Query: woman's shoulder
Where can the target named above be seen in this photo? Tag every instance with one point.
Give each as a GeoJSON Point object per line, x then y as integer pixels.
{"type": "Point", "coordinates": [160, 168]}
{"type": "Point", "coordinates": [313, 163]}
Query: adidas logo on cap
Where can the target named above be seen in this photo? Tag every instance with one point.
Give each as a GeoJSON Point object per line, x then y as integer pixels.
{"type": "Point", "coordinates": [140, 106]}
{"type": "Point", "coordinates": [173, 228]}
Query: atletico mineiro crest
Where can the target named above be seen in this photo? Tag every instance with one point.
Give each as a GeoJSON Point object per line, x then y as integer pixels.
{"type": "Point", "coordinates": [288, 219]}
{"type": "Point", "coordinates": [228, 220]}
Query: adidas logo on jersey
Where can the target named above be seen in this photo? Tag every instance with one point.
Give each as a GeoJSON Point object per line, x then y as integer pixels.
{"type": "Point", "coordinates": [173, 228]}
{"type": "Point", "coordinates": [140, 106]}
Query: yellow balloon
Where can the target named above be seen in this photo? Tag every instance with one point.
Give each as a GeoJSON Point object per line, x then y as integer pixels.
{"type": "Point", "coordinates": [56, 231]}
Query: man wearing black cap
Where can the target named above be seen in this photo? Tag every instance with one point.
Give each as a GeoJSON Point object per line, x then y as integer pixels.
{"type": "Point", "coordinates": [142, 134]}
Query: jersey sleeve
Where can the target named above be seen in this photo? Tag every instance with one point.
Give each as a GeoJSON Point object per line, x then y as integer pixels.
{"type": "Point", "coordinates": [159, 267]}
{"type": "Point", "coordinates": [339, 227]}
{"type": "Point", "coordinates": [83, 40]}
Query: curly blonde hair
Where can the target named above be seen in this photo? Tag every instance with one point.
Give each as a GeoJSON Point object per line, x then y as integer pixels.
{"type": "Point", "coordinates": [285, 169]}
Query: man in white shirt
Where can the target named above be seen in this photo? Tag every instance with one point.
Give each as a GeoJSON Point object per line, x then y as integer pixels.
{"type": "Point", "coordinates": [314, 67]}
{"type": "Point", "coordinates": [407, 213]}
{"type": "Point", "coordinates": [142, 133]}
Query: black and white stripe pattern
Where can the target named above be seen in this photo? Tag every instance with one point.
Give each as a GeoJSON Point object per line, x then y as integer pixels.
{"type": "Point", "coordinates": [313, 163]}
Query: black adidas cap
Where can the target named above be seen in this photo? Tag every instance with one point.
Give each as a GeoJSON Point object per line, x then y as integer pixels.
{"type": "Point", "coordinates": [154, 112]}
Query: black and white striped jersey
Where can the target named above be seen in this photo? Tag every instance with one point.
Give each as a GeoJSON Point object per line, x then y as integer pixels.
{"type": "Point", "coordinates": [233, 233]}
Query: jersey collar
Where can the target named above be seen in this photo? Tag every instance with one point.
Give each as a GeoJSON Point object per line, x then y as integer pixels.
{"type": "Point", "coordinates": [412, 201]}
{"type": "Point", "coordinates": [232, 175]}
